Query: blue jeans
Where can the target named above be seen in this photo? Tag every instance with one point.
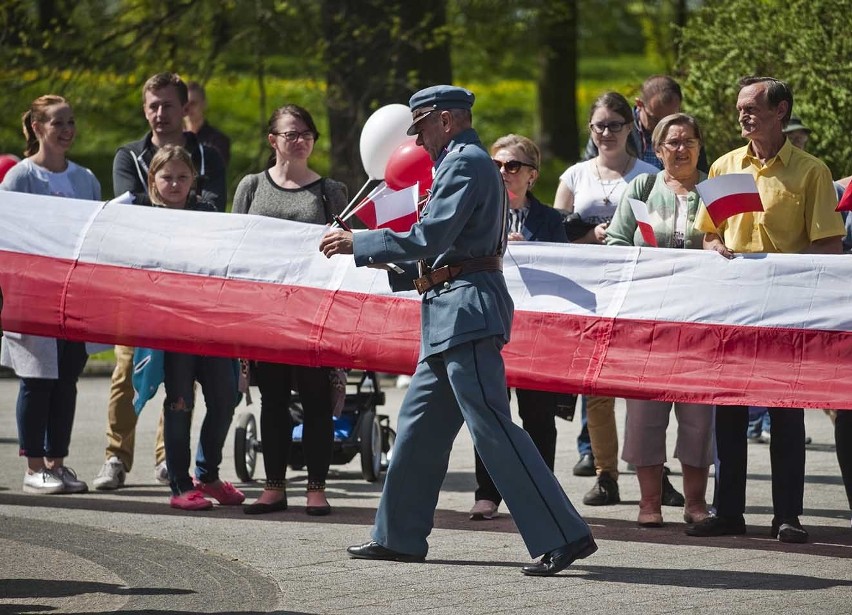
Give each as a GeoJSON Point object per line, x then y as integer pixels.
{"type": "Point", "coordinates": [45, 409]}
{"type": "Point", "coordinates": [758, 421]}
{"type": "Point", "coordinates": [218, 379]}
{"type": "Point", "coordinates": [584, 442]}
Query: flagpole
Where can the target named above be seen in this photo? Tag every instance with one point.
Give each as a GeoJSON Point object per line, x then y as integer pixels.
{"type": "Point", "coordinates": [345, 211]}
{"type": "Point", "coordinates": [348, 214]}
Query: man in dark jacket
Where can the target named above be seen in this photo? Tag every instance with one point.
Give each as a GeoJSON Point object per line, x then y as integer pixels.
{"type": "Point", "coordinates": [164, 102]}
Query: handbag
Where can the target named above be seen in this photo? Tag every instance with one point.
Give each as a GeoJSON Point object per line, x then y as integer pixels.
{"type": "Point", "coordinates": [576, 227]}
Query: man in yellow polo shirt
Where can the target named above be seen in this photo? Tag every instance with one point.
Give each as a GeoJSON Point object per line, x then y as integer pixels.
{"type": "Point", "coordinates": [799, 200]}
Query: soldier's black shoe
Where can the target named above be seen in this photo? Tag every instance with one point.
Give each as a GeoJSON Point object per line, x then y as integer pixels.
{"type": "Point", "coordinates": [559, 559]}
{"type": "Point", "coordinates": [373, 550]}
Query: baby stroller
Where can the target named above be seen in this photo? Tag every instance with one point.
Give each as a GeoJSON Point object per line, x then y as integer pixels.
{"type": "Point", "coordinates": [358, 430]}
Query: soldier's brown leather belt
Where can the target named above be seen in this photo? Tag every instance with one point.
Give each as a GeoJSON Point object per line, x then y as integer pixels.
{"type": "Point", "coordinates": [450, 272]}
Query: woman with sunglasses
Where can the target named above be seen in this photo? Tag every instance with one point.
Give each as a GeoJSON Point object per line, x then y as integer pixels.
{"type": "Point", "coordinates": [290, 190]}
{"type": "Point", "coordinates": [672, 203]}
{"type": "Point", "coordinates": [588, 194]}
{"type": "Point", "coordinates": [518, 159]}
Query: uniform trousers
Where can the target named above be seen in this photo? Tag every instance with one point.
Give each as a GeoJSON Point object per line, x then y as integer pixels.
{"type": "Point", "coordinates": [467, 384]}
{"type": "Point", "coordinates": [537, 410]}
{"type": "Point", "coordinates": [786, 455]}
{"type": "Point", "coordinates": [122, 417]}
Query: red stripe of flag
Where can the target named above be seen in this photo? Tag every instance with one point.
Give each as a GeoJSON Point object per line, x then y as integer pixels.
{"type": "Point", "coordinates": [723, 208]}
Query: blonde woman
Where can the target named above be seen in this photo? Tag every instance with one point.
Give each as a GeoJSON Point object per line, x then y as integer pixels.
{"type": "Point", "coordinates": [48, 368]}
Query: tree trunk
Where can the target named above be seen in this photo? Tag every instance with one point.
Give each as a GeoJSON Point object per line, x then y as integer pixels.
{"type": "Point", "coordinates": [557, 82]}
{"type": "Point", "coordinates": [378, 52]}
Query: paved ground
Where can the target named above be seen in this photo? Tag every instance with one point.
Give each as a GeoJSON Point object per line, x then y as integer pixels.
{"type": "Point", "coordinates": [127, 551]}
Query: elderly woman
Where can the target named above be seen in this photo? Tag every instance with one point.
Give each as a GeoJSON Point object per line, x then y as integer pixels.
{"type": "Point", "coordinates": [672, 204]}
{"type": "Point", "coordinates": [518, 159]}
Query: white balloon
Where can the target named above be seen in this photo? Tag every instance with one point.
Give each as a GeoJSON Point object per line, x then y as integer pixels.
{"type": "Point", "coordinates": [383, 132]}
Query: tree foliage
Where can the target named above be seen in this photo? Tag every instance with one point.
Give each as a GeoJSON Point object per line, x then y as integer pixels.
{"type": "Point", "coordinates": [803, 42]}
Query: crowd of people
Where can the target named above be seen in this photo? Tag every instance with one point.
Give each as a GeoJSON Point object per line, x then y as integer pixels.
{"type": "Point", "coordinates": [651, 152]}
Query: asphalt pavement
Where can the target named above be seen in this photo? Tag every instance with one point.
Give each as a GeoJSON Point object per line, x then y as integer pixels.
{"type": "Point", "coordinates": [127, 551]}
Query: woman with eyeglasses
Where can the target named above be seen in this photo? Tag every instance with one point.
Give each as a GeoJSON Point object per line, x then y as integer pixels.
{"type": "Point", "coordinates": [672, 203]}
{"type": "Point", "coordinates": [518, 159]}
{"type": "Point", "coordinates": [588, 194]}
{"type": "Point", "coordinates": [289, 189]}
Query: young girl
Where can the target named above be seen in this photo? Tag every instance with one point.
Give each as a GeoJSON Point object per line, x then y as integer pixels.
{"type": "Point", "coordinates": [170, 181]}
{"type": "Point", "coordinates": [48, 368]}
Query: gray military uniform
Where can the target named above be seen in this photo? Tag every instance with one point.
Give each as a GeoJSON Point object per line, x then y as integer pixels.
{"type": "Point", "coordinates": [460, 377]}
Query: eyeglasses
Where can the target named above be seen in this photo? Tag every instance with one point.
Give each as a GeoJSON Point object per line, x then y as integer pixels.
{"type": "Point", "coordinates": [613, 127]}
{"type": "Point", "coordinates": [675, 145]}
{"type": "Point", "coordinates": [513, 166]}
{"type": "Point", "coordinates": [291, 136]}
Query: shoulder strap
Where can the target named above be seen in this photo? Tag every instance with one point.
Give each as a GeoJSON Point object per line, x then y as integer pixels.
{"type": "Point", "coordinates": [325, 206]}
{"type": "Point", "coordinates": [649, 185]}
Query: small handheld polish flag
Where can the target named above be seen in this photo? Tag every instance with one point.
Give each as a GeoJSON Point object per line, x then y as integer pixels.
{"type": "Point", "coordinates": [729, 195]}
{"type": "Point", "coordinates": [643, 220]}
{"type": "Point", "coordinates": [388, 208]}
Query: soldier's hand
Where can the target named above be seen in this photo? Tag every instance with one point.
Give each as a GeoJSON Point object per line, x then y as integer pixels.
{"type": "Point", "coordinates": [336, 242]}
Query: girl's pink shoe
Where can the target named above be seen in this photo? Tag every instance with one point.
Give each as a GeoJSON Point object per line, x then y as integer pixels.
{"type": "Point", "coordinates": [191, 500]}
{"type": "Point", "coordinates": [223, 492]}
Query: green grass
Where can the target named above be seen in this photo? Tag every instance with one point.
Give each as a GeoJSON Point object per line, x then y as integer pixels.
{"type": "Point", "coordinates": [114, 115]}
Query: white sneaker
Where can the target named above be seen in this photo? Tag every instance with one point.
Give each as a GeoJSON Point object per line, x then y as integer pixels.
{"type": "Point", "coordinates": [44, 482]}
{"type": "Point", "coordinates": [111, 476]}
{"type": "Point", "coordinates": [70, 480]}
{"type": "Point", "coordinates": [161, 473]}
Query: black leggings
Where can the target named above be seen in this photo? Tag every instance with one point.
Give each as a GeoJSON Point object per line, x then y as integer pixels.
{"type": "Point", "coordinates": [843, 442]}
{"type": "Point", "coordinates": [275, 381]}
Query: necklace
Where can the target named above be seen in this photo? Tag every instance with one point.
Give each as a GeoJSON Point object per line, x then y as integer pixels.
{"type": "Point", "coordinates": [606, 194]}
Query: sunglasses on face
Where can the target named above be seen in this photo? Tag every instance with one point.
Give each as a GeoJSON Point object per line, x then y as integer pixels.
{"type": "Point", "coordinates": [291, 136]}
{"type": "Point", "coordinates": [512, 166]}
{"type": "Point", "coordinates": [613, 127]}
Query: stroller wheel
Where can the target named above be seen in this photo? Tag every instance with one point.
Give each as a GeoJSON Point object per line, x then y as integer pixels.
{"type": "Point", "coordinates": [370, 442]}
{"type": "Point", "coordinates": [388, 440]}
{"type": "Point", "coordinates": [246, 446]}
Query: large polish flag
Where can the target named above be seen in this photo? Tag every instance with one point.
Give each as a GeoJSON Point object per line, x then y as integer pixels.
{"type": "Point", "coordinates": [645, 323]}
{"type": "Point", "coordinates": [385, 207]}
{"type": "Point", "coordinates": [729, 195]}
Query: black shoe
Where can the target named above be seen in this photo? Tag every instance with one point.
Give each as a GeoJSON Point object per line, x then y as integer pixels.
{"type": "Point", "coordinates": [559, 559]}
{"type": "Point", "coordinates": [260, 508]}
{"type": "Point", "coordinates": [318, 511]}
{"type": "Point", "coordinates": [603, 493]}
{"type": "Point", "coordinates": [671, 496]}
{"type": "Point", "coordinates": [373, 550]}
{"type": "Point", "coordinates": [717, 526]}
{"type": "Point", "coordinates": [790, 531]}
{"type": "Point", "coordinates": [585, 466]}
